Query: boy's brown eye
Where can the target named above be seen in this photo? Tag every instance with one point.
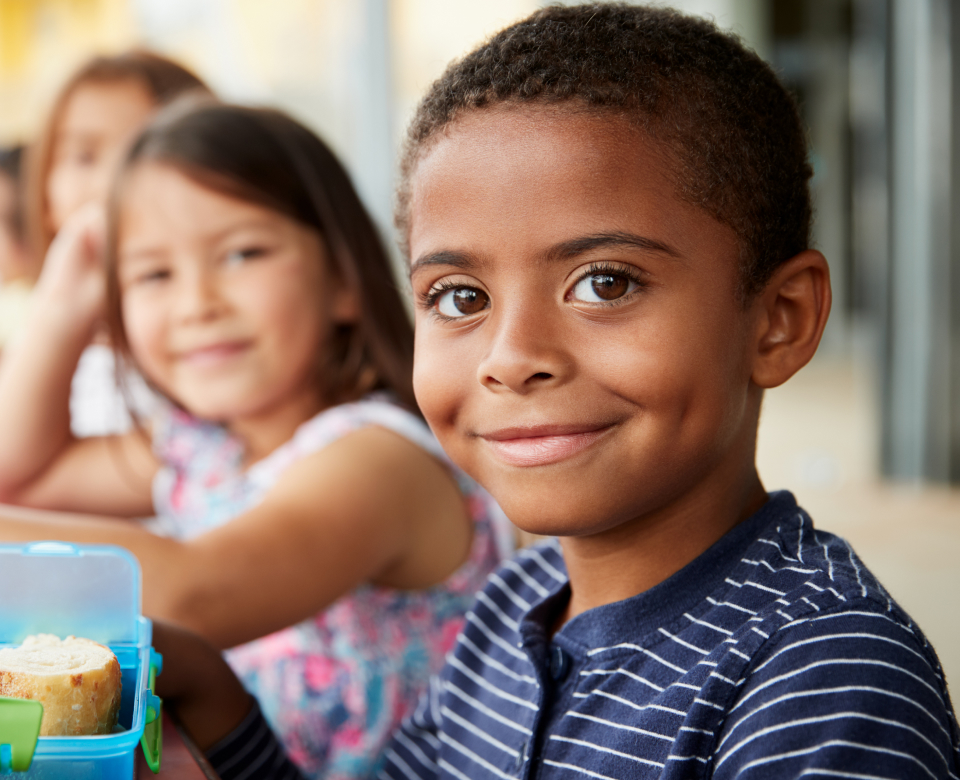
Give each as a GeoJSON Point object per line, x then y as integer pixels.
{"type": "Point", "coordinates": [602, 287]}
{"type": "Point", "coordinates": [462, 302]}
{"type": "Point", "coordinates": [609, 287]}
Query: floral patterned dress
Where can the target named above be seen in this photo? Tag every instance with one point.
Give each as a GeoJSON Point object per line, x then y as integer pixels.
{"type": "Point", "coordinates": [335, 686]}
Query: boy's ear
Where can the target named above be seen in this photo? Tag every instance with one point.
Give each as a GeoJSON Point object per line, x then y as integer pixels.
{"type": "Point", "coordinates": [792, 312]}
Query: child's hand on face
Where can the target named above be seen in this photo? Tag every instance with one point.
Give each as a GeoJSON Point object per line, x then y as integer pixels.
{"type": "Point", "coordinates": [73, 273]}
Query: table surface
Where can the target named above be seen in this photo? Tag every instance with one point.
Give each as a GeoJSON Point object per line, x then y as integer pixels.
{"type": "Point", "coordinates": [179, 758]}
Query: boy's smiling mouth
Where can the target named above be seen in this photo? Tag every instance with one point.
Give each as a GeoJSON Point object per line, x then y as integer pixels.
{"type": "Point", "coordinates": [543, 444]}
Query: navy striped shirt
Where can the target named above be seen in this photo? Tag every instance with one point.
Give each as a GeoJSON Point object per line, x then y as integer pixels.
{"type": "Point", "coordinates": [251, 752]}
{"type": "Point", "coordinates": [775, 654]}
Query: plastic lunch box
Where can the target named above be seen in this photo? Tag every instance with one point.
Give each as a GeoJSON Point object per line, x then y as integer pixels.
{"type": "Point", "coordinates": [92, 592]}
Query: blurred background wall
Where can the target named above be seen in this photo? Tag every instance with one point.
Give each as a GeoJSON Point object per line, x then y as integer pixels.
{"type": "Point", "coordinates": [868, 436]}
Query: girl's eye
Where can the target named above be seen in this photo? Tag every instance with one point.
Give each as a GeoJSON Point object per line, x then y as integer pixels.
{"type": "Point", "coordinates": [240, 256]}
{"type": "Point", "coordinates": [603, 287]}
{"type": "Point", "coordinates": [461, 302]}
{"type": "Point", "coordinates": [152, 276]}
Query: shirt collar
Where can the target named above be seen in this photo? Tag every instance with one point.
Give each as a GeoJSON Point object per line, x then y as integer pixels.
{"type": "Point", "coordinates": [633, 618]}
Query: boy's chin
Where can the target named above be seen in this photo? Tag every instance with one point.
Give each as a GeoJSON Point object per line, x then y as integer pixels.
{"type": "Point", "coordinates": [561, 530]}
{"type": "Point", "coordinates": [546, 521]}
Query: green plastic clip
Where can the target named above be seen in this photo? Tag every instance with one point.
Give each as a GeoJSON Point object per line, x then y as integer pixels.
{"type": "Point", "coordinates": [152, 739]}
{"type": "Point", "coordinates": [19, 728]}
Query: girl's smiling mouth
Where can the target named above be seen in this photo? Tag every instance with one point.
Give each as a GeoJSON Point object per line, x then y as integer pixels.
{"type": "Point", "coordinates": [543, 444]}
{"type": "Point", "coordinates": [214, 354]}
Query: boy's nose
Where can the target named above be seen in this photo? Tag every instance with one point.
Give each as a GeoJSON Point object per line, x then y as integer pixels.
{"type": "Point", "coordinates": [526, 353]}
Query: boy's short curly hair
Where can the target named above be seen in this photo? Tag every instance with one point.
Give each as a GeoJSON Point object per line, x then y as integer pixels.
{"type": "Point", "coordinates": [718, 110]}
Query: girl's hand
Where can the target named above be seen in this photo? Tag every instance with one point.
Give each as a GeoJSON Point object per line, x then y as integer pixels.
{"type": "Point", "coordinates": [73, 281]}
{"type": "Point", "coordinates": [197, 684]}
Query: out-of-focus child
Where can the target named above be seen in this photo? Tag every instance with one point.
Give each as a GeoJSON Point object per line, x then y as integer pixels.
{"type": "Point", "coordinates": [298, 481]}
{"type": "Point", "coordinates": [17, 273]}
{"type": "Point", "coordinates": [93, 119]}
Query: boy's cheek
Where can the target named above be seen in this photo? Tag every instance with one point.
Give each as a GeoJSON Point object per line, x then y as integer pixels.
{"type": "Point", "coordinates": [436, 380]}
{"type": "Point", "coordinates": [444, 383]}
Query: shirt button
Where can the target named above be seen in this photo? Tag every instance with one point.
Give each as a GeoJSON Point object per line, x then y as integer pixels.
{"type": "Point", "coordinates": [559, 663]}
{"type": "Point", "coordinates": [523, 750]}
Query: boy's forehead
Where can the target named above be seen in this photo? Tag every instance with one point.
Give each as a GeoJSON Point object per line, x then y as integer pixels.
{"type": "Point", "coordinates": [513, 134]}
{"type": "Point", "coordinates": [543, 169]}
{"type": "Point", "coordinates": [494, 153]}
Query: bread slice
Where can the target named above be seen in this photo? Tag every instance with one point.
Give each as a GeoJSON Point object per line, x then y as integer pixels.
{"type": "Point", "coordinates": [76, 680]}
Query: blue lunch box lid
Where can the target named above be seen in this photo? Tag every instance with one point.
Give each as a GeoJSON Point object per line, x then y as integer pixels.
{"type": "Point", "coordinates": [91, 591]}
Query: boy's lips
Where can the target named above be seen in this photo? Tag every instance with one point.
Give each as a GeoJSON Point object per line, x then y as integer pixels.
{"type": "Point", "coordinates": [542, 445]}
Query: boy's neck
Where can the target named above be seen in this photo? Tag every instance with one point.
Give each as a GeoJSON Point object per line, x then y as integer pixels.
{"type": "Point", "coordinates": [637, 555]}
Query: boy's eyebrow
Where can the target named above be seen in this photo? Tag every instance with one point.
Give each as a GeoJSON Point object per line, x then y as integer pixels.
{"type": "Point", "coordinates": [461, 260]}
{"type": "Point", "coordinates": [563, 251]}
{"type": "Point", "coordinates": [617, 238]}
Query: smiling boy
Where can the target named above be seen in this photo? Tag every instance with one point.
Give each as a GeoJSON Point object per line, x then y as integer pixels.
{"type": "Point", "coordinates": [607, 217]}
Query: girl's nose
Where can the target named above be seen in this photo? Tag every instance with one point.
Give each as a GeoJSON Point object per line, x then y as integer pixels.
{"type": "Point", "coordinates": [526, 353]}
{"type": "Point", "coordinates": [198, 296]}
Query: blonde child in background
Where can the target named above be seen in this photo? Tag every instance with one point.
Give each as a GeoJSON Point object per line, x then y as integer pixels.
{"type": "Point", "coordinates": [91, 123]}
{"type": "Point", "coordinates": [16, 270]}
{"type": "Point", "coordinates": [317, 527]}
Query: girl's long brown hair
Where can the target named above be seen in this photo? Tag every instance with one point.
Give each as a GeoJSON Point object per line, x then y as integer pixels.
{"type": "Point", "coordinates": [163, 79]}
{"type": "Point", "coordinates": [265, 157]}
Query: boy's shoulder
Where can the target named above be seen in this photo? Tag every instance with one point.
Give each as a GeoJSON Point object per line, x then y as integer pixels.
{"type": "Point", "coordinates": [799, 584]}
{"type": "Point", "coordinates": [789, 572]}
{"type": "Point", "coordinates": [778, 635]}
{"type": "Point", "coordinates": [833, 656]}
{"type": "Point", "coordinates": [775, 651]}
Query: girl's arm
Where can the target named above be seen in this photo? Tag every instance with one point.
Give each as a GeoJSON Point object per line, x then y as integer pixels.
{"type": "Point", "coordinates": [371, 507]}
{"type": "Point", "coordinates": [41, 464]}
